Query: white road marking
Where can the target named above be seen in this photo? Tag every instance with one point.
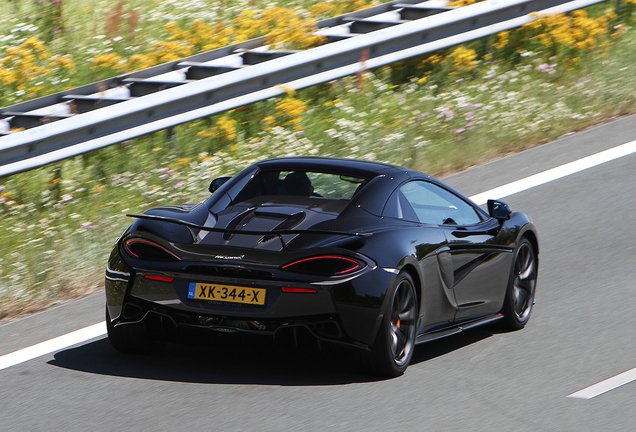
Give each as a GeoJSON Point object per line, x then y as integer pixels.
{"type": "Point", "coordinates": [605, 386]}
{"type": "Point", "coordinates": [99, 329]}
{"type": "Point", "coordinates": [555, 173]}
{"type": "Point", "coordinates": [51, 345]}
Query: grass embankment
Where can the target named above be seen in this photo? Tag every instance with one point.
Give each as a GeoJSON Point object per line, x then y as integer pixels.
{"type": "Point", "coordinates": [436, 114]}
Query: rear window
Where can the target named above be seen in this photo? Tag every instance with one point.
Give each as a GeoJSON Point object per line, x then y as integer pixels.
{"type": "Point", "coordinates": [303, 184]}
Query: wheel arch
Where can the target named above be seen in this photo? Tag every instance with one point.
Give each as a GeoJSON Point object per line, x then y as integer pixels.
{"type": "Point", "coordinates": [532, 238]}
{"type": "Point", "coordinates": [412, 271]}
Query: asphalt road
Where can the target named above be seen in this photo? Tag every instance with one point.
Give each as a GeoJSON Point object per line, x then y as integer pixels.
{"type": "Point", "coordinates": [581, 332]}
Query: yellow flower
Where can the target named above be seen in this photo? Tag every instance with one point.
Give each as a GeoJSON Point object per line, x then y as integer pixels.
{"type": "Point", "coordinates": [290, 91]}
{"type": "Point", "coordinates": [269, 119]}
{"type": "Point", "coordinates": [164, 52]}
{"type": "Point", "coordinates": [432, 60]}
{"type": "Point", "coordinates": [108, 61]}
{"type": "Point", "coordinates": [464, 59]}
{"type": "Point", "coordinates": [461, 3]}
{"type": "Point", "coordinates": [8, 77]}
{"type": "Point", "coordinates": [62, 62]}
{"type": "Point", "coordinates": [207, 134]}
{"type": "Point", "coordinates": [140, 61]}
{"type": "Point", "coordinates": [23, 67]}
{"type": "Point", "coordinates": [226, 128]}
{"type": "Point", "coordinates": [322, 8]}
{"type": "Point", "coordinates": [291, 107]}
{"type": "Point", "coordinates": [294, 34]}
{"type": "Point", "coordinates": [503, 39]}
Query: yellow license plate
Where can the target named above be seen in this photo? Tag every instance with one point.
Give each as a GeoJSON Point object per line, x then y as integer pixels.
{"type": "Point", "coordinates": [226, 293]}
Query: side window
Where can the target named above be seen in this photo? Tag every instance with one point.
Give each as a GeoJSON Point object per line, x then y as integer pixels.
{"type": "Point", "coordinates": [398, 207]}
{"type": "Point", "coordinates": [435, 205]}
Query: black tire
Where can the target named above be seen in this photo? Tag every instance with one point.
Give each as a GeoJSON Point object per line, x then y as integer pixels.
{"type": "Point", "coordinates": [520, 293]}
{"type": "Point", "coordinates": [395, 342]}
{"type": "Point", "coordinates": [133, 338]}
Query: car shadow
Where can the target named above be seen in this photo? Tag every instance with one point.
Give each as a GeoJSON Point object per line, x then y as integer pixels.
{"type": "Point", "coordinates": [241, 363]}
{"type": "Point", "coordinates": [440, 347]}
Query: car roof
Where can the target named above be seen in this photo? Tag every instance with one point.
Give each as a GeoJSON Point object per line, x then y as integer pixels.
{"type": "Point", "coordinates": [354, 167]}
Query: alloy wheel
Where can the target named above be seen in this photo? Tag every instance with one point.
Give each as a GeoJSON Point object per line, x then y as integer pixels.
{"type": "Point", "coordinates": [402, 326]}
{"type": "Point", "coordinates": [525, 278]}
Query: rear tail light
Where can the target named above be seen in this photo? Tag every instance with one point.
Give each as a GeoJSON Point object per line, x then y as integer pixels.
{"type": "Point", "coordinates": [149, 251]}
{"type": "Point", "coordinates": [159, 278]}
{"type": "Point", "coordinates": [325, 265]}
{"type": "Point", "coordinates": [299, 290]}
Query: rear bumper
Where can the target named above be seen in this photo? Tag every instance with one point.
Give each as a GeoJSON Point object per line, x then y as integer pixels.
{"type": "Point", "coordinates": [174, 325]}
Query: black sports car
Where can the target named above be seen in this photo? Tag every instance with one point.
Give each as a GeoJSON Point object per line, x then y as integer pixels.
{"type": "Point", "coordinates": [363, 254]}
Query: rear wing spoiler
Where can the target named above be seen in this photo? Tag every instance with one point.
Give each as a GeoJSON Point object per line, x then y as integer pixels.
{"type": "Point", "coordinates": [277, 233]}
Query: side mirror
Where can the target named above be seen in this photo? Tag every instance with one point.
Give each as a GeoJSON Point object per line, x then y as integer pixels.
{"type": "Point", "coordinates": [217, 183]}
{"type": "Point", "coordinates": [499, 210]}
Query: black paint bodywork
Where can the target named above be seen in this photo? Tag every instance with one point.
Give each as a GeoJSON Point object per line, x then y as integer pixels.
{"type": "Point", "coordinates": [461, 273]}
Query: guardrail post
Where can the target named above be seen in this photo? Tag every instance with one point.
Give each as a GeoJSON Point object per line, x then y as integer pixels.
{"type": "Point", "coordinates": [171, 137]}
{"type": "Point", "coordinates": [54, 185]}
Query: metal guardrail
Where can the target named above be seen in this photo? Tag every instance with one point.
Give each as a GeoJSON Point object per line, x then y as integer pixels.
{"type": "Point", "coordinates": [206, 84]}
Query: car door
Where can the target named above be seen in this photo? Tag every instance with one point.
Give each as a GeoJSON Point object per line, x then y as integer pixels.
{"type": "Point", "coordinates": [428, 245]}
{"type": "Point", "coordinates": [479, 269]}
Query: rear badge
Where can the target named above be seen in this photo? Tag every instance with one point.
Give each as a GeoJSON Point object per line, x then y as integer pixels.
{"type": "Point", "coordinates": [229, 257]}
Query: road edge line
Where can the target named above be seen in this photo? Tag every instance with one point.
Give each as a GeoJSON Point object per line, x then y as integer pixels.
{"type": "Point", "coordinates": [52, 345]}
